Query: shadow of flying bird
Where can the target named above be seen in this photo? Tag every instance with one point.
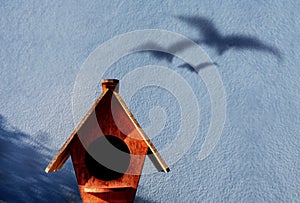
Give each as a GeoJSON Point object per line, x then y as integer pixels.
{"type": "Point", "coordinates": [167, 53]}
{"type": "Point", "coordinates": [212, 37]}
{"type": "Point", "coordinates": [162, 55]}
{"type": "Point", "coordinates": [161, 52]}
{"type": "Point", "coordinates": [197, 68]}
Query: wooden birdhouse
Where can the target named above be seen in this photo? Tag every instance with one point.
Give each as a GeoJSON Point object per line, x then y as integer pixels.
{"type": "Point", "coordinates": [108, 150]}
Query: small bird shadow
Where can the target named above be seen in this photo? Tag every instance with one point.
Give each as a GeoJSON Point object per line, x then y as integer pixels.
{"type": "Point", "coordinates": [197, 68]}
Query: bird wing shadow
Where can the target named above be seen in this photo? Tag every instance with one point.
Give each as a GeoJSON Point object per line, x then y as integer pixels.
{"type": "Point", "coordinates": [153, 49]}
{"type": "Point", "coordinates": [161, 52]}
{"type": "Point", "coordinates": [205, 27]}
{"type": "Point", "coordinates": [197, 68]}
{"type": "Point", "coordinates": [211, 36]}
{"type": "Point", "coordinates": [250, 42]}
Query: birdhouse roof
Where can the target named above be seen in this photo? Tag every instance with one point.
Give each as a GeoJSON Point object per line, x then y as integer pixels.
{"type": "Point", "coordinates": [63, 154]}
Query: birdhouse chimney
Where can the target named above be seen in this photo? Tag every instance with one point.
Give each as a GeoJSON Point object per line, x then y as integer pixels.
{"type": "Point", "coordinates": [112, 84]}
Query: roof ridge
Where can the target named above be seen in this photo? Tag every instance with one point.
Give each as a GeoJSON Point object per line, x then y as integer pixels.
{"type": "Point", "coordinates": [63, 154]}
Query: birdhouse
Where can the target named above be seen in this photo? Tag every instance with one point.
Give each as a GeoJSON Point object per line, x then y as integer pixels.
{"type": "Point", "coordinates": [108, 150]}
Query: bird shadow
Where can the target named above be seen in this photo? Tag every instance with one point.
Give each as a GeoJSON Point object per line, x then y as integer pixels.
{"type": "Point", "coordinates": [197, 68]}
{"type": "Point", "coordinates": [210, 35]}
{"type": "Point", "coordinates": [22, 174]}
{"type": "Point", "coordinates": [164, 53]}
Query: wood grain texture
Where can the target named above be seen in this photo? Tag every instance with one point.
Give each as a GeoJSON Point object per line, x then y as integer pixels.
{"type": "Point", "coordinates": [92, 188]}
{"type": "Point", "coordinates": [109, 116]}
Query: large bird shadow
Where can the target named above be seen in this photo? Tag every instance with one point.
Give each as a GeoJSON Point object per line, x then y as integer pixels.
{"type": "Point", "coordinates": [209, 35]}
{"type": "Point", "coordinates": [22, 174]}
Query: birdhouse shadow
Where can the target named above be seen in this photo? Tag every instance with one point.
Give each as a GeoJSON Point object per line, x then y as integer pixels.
{"type": "Point", "coordinates": [22, 170]}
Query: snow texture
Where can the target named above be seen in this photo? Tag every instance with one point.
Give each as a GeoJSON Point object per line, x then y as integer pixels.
{"type": "Point", "coordinates": [255, 46]}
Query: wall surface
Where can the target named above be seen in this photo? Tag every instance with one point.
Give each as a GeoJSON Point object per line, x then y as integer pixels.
{"type": "Point", "coordinates": [254, 46]}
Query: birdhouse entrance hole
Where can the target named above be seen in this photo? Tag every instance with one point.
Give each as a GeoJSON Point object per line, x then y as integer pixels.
{"type": "Point", "coordinates": [107, 158]}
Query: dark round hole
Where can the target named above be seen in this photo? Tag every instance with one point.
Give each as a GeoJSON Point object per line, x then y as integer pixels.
{"type": "Point", "coordinates": [108, 158]}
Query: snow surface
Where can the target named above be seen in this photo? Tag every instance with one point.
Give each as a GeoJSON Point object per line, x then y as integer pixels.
{"type": "Point", "coordinates": [257, 159]}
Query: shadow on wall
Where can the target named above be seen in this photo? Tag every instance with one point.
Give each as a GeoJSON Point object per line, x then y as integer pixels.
{"type": "Point", "coordinates": [22, 175]}
{"type": "Point", "coordinates": [212, 37]}
{"type": "Point", "coordinates": [142, 200]}
{"type": "Point", "coordinates": [163, 55]}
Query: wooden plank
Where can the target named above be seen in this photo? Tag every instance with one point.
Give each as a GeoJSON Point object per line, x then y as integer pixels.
{"type": "Point", "coordinates": [63, 154]}
{"type": "Point", "coordinates": [157, 160]}
{"type": "Point", "coordinates": [105, 190]}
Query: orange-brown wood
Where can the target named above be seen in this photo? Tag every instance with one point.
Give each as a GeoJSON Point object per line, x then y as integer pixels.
{"type": "Point", "coordinates": [90, 187]}
{"type": "Point", "coordinates": [109, 119]}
